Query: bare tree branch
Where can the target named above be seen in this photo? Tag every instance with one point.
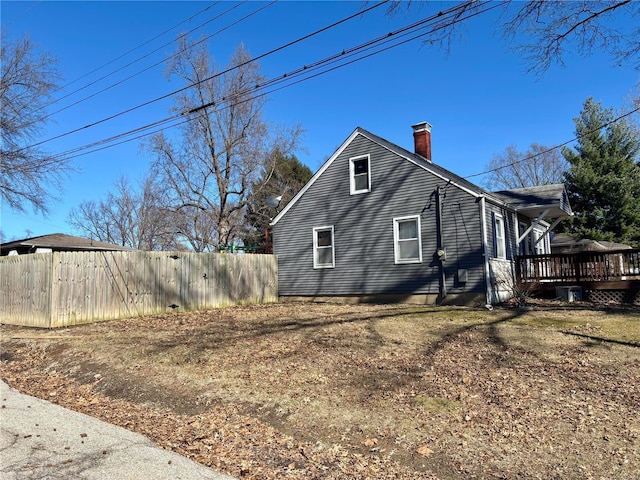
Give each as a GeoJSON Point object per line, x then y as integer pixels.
{"type": "Point", "coordinates": [219, 153]}
{"type": "Point", "coordinates": [543, 31]}
{"type": "Point", "coordinates": [27, 174]}
{"type": "Point", "coordinates": [135, 217]}
{"type": "Point", "coordinates": [514, 169]}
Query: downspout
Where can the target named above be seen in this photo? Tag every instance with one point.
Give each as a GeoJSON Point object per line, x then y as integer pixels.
{"type": "Point", "coordinates": [485, 253]}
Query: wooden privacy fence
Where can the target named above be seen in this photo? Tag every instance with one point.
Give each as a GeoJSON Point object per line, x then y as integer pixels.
{"type": "Point", "coordinates": [65, 288]}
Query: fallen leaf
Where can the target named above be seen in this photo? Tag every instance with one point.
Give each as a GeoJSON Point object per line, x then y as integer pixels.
{"type": "Point", "coordinates": [424, 450]}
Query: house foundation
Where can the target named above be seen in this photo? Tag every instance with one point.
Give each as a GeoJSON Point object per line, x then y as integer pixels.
{"type": "Point", "coordinates": [469, 299]}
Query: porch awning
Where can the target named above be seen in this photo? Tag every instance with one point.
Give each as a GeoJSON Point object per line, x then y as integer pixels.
{"type": "Point", "coordinates": [549, 201]}
{"type": "Point", "coordinates": [538, 203]}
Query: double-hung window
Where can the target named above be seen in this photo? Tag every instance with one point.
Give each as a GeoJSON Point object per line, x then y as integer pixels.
{"type": "Point", "coordinates": [407, 239]}
{"type": "Point", "coordinates": [501, 247]}
{"type": "Point", "coordinates": [360, 174]}
{"type": "Point", "coordinates": [323, 249]}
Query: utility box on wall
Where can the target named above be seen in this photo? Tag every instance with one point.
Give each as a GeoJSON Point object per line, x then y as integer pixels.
{"type": "Point", "coordinates": [569, 294]}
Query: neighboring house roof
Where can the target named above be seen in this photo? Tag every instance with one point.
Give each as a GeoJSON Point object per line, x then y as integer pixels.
{"type": "Point", "coordinates": [551, 195]}
{"type": "Point", "coordinates": [568, 244]}
{"type": "Point", "coordinates": [532, 201]}
{"type": "Point", "coordinates": [57, 242]}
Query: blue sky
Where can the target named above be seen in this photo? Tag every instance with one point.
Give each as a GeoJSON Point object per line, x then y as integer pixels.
{"type": "Point", "coordinates": [478, 98]}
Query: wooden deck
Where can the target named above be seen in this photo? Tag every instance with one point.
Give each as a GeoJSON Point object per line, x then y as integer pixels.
{"type": "Point", "coordinates": [619, 269]}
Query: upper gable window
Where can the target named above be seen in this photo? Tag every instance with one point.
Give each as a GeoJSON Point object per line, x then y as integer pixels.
{"type": "Point", "coordinates": [407, 239]}
{"type": "Point", "coordinates": [360, 174]}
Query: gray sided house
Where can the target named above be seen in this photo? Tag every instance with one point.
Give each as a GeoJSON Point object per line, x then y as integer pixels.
{"type": "Point", "coordinates": [380, 222]}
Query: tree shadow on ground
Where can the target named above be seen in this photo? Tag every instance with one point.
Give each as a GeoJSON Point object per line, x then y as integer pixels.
{"type": "Point", "coordinates": [492, 333]}
{"type": "Point", "coordinates": [602, 339]}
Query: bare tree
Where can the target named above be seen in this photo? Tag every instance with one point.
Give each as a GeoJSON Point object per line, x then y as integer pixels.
{"type": "Point", "coordinates": [590, 25]}
{"type": "Point", "coordinates": [543, 30]}
{"type": "Point", "coordinates": [135, 218]}
{"type": "Point", "coordinates": [539, 165]}
{"type": "Point", "coordinates": [210, 167]}
{"type": "Point", "coordinates": [27, 173]}
{"type": "Point", "coordinates": [632, 104]}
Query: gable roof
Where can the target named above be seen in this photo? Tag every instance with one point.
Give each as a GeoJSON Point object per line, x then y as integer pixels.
{"type": "Point", "coordinates": [425, 164]}
{"type": "Point", "coordinates": [59, 242]}
{"type": "Point", "coordinates": [532, 201]}
{"type": "Point", "coordinates": [418, 160]}
{"type": "Point", "coordinates": [526, 200]}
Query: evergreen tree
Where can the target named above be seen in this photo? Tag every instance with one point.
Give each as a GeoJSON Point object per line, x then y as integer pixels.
{"type": "Point", "coordinates": [284, 177]}
{"type": "Point", "coordinates": [603, 181]}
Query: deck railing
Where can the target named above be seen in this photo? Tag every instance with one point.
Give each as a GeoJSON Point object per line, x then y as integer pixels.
{"type": "Point", "coordinates": [618, 265]}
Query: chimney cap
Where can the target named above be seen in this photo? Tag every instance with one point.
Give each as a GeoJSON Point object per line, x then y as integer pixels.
{"type": "Point", "coordinates": [421, 126]}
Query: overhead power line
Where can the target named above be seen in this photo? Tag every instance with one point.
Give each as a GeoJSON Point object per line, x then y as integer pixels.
{"type": "Point", "coordinates": [131, 51]}
{"type": "Point", "coordinates": [180, 90]}
{"type": "Point", "coordinates": [555, 147]}
{"type": "Point", "coordinates": [120, 82]}
{"type": "Point", "coordinates": [306, 72]}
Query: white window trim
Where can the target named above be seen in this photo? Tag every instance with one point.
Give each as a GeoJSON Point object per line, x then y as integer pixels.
{"type": "Point", "coordinates": [542, 245]}
{"type": "Point", "coordinates": [316, 265]}
{"type": "Point", "coordinates": [352, 179]}
{"type": "Point", "coordinates": [501, 241]}
{"type": "Point", "coordinates": [396, 239]}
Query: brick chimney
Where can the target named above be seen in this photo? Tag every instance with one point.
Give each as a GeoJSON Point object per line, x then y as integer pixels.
{"type": "Point", "coordinates": [422, 139]}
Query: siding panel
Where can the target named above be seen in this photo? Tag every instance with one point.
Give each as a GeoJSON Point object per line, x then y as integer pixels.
{"type": "Point", "coordinates": [501, 271]}
{"type": "Point", "coordinates": [363, 229]}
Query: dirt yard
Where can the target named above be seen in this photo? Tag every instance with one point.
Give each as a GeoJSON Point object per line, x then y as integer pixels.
{"type": "Point", "coordinates": [342, 391]}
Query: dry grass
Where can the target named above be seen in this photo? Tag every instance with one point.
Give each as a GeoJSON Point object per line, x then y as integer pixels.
{"type": "Point", "coordinates": [366, 391]}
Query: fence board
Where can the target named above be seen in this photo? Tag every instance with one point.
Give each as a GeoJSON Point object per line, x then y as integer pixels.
{"type": "Point", "coordinates": [66, 288]}
{"type": "Point", "coordinates": [25, 289]}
